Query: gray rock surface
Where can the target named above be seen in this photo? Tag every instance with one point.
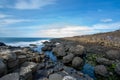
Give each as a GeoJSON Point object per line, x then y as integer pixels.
{"type": "Point", "coordinates": [117, 69]}
{"type": "Point", "coordinates": [77, 62]}
{"type": "Point", "coordinates": [68, 58]}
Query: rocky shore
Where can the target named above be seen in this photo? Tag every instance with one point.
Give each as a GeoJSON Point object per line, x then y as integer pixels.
{"type": "Point", "coordinates": [60, 59]}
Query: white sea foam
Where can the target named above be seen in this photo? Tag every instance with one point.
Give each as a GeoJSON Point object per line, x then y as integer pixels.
{"type": "Point", "coordinates": [26, 44]}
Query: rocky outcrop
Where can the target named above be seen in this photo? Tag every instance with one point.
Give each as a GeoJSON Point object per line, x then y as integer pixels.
{"type": "Point", "coordinates": [3, 69]}
{"type": "Point", "coordinates": [2, 44]}
{"type": "Point", "coordinates": [55, 77]}
{"type": "Point", "coordinates": [104, 61]}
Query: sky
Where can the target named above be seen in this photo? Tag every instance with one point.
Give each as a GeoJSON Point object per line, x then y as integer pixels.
{"type": "Point", "coordinates": [58, 18]}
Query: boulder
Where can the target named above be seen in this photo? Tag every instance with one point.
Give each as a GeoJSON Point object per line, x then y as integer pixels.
{"type": "Point", "coordinates": [11, 76]}
{"type": "Point", "coordinates": [8, 55]}
{"type": "Point", "coordinates": [77, 50]}
{"type": "Point", "coordinates": [22, 58]}
{"type": "Point", "coordinates": [12, 64]}
{"type": "Point", "coordinates": [25, 73]}
{"type": "Point", "coordinates": [30, 65]}
{"type": "Point", "coordinates": [104, 61]}
{"type": "Point", "coordinates": [117, 69]}
{"type": "Point", "coordinates": [101, 70]}
{"type": "Point", "coordinates": [68, 58]}
{"type": "Point", "coordinates": [2, 68]}
{"type": "Point", "coordinates": [113, 54]}
{"type": "Point", "coordinates": [69, 78]}
{"type": "Point", "coordinates": [60, 52]}
{"type": "Point", "coordinates": [2, 44]}
{"type": "Point", "coordinates": [55, 76]}
{"type": "Point", "coordinates": [77, 62]}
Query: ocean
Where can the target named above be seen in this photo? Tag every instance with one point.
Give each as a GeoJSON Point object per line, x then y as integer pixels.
{"type": "Point", "coordinates": [23, 42]}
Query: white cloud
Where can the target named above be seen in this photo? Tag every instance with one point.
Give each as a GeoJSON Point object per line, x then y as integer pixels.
{"type": "Point", "coordinates": [4, 15]}
{"type": "Point", "coordinates": [13, 21]}
{"type": "Point", "coordinates": [32, 4]}
{"type": "Point", "coordinates": [106, 20]}
{"type": "Point", "coordinates": [71, 30]}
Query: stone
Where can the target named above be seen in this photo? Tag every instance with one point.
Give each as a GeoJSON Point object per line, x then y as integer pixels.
{"type": "Point", "coordinates": [3, 68]}
{"type": "Point", "coordinates": [113, 54]}
{"type": "Point", "coordinates": [30, 65]}
{"type": "Point", "coordinates": [2, 44]}
{"type": "Point", "coordinates": [101, 70]}
{"type": "Point", "coordinates": [69, 78]}
{"type": "Point", "coordinates": [55, 76]}
{"type": "Point", "coordinates": [8, 55]}
{"type": "Point", "coordinates": [77, 62]}
{"type": "Point", "coordinates": [11, 76]}
{"type": "Point", "coordinates": [68, 58]}
{"type": "Point", "coordinates": [25, 73]}
{"type": "Point", "coordinates": [117, 68]}
{"type": "Point", "coordinates": [12, 64]}
{"type": "Point", "coordinates": [77, 50]}
{"type": "Point", "coordinates": [104, 61]}
{"type": "Point", "coordinates": [22, 58]}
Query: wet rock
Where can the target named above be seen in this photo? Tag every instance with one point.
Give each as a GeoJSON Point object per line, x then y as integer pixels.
{"type": "Point", "coordinates": [30, 65]}
{"type": "Point", "coordinates": [68, 58]}
{"type": "Point", "coordinates": [77, 62]}
{"type": "Point", "coordinates": [117, 69]}
{"type": "Point", "coordinates": [103, 61]}
{"type": "Point", "coordinates": [46, 48]}
{"type": "Point", "coordinates": [25, 73]}
{"type": "Point", "coordinates": [11, 76]}
{"type": "Point", "coordinates": [113, 54]}
{"type": "Point", "coordinates": [12, 64]}
{"type": "Point", "coordinates": [77, 50]}
{"type": "Point", "coordinates": [55, 77]}
{"type": "Point", "coordinates": [2, 68]}
{"type": "Point", "coordinates": [41, 66]}
{"type": "Point", "coordinates": [2, 44]}
{"type": "Point", "coordinates": [22, 58]}
{"type": "Point", "coordinates": [101, 70]}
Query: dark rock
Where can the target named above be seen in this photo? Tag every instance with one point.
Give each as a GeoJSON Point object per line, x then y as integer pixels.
{"type": "Point", "coordinates": [104, 61]}
{"type": "Point", "coordinates": [2, 44]}
{"type": "Point", "coordinates": [77, 50]}
{"type": "Point", "coordinates": [55, 77]}
{"type": "Point", "coordinates": [101, 70]}
{"type": "Point", "coordinates": [11, 76]}
{"type": "Point", "coordinates": [77, 62]}
{"type": "Point", "coordinates": [22, 58]}
{"type": "Point", "coordinates": [3, 68]}
{"type": "Point", "coordinates": [68, 58]}
{"type": "Point", "coordinates": [25, 73]}
{"type": "Point", "coordinates": [113, 54]}
{"type": "Point", "coordinates": [117, 69]}
{"type": "Point", "coordinates": [41, 66]}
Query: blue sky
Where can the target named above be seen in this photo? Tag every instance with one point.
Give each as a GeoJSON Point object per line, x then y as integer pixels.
{"type": "Point", "coordinates": [57, 18]}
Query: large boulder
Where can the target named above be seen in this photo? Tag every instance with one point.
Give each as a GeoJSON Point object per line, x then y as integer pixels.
{"type": "Point", "coordinates": [25, 73]}
{"type": "Point", "coordinates": [77, 50]}
{"type": "Point", "coordinates": [2, 44]}
{"type": "Point", "coordinates": [11, 76]}
{"type": "Point", "coordinates": [101, 70]}
{"type": "Point", "coordinates": [69, 78]}
{"type": "Point", "coordinates": [59, 50]}
{"type": "Point", "coordinates": [113, 54]}
{"type": "Point", "coordinates": [22, 58]}
{"type": "Point", "coordinates": [30, 65]}
{"type": "Point", "coordinates": [55, 77]}
{"type": "Point", "coordinates": [68, 58]}
{"type": "Point", "coordinates": [2, 68]}
{"type": "Point", "coordinates": [77, 62]}
{"type": "Point", "coordinates": [117, 69]}
{"type": "Point", "coordinates": [104, 61]}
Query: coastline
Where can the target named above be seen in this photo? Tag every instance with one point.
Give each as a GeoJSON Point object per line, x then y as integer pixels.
{"type": "Point", "coordinates": [60, 59]}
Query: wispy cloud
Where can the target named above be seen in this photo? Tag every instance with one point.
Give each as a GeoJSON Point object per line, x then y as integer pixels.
{"type": "Point", "coordinates": [4, 16]}
{"type": "Point", "coordinates": [106, 20]}
{"type": "Point", "coordinates": [28, 4]}
{"type": "Point", "coordinates": [72, 30]}
{"type": "Point", "coordinates": [13, 21]}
